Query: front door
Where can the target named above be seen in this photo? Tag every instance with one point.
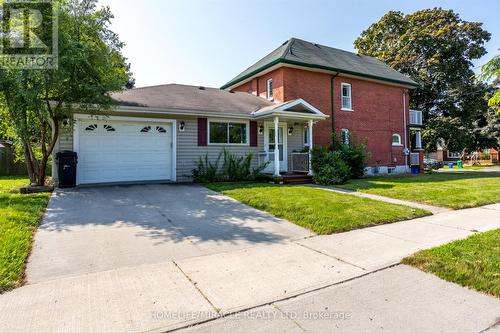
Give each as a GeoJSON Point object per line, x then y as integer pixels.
{"type": "Point", "coordinates": [270, 146]}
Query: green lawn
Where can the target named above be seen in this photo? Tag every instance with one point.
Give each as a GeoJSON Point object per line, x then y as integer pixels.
{"type": "Point", "coordinates": [453, 190]}
{"type": "Point", "coordinates": [321, 211]}
{"type": "Point", "coordinates": [19, 217]}
{"type": "Point", "coordinates": [473, 262]}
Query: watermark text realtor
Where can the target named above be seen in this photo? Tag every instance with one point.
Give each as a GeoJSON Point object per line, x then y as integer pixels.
{"type": "Point", "coordinates": [28, 34]}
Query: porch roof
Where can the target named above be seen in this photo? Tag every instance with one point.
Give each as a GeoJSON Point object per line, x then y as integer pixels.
{"type": "Point", "coordinates": [297, 109]}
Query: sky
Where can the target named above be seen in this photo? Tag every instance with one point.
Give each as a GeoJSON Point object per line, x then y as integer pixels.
{"type": "Point", "coordinates": [208, 42]}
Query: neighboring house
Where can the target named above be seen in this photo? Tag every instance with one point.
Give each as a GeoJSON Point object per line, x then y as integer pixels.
{"type": "Point", "coordinates": [276, 110]}
{"type": "Point", "coordinates": [489, 155]}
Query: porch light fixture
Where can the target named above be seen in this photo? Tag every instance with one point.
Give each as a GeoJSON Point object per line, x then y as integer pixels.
{"type": "Point", "coordinates": [290, 130]}
{"type": "Point", "coordinates": [182, 126]}
{"type": "Point", "coordinates": [261, 129]}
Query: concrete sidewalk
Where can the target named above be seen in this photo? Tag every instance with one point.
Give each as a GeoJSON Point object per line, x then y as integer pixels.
{"type": "Point", "coordinates": [295, 275]}
{"type": "Point", "coordinates": [433, 209]}
{"type": "Point", "coordinates": [399, 299]}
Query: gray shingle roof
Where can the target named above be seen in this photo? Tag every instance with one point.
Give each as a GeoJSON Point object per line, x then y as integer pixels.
{"type": "Point", "coordinates": [300, 52]}
{"type": "Point", "coordinates": [184, 97]}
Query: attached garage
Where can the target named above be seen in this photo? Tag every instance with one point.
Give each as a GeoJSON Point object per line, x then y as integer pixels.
{"type": "Point", "coordinates": [121, 149]}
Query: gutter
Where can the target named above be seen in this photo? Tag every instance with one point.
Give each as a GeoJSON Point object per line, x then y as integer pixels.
{"type": "Point", "coordinates": [333, 102]}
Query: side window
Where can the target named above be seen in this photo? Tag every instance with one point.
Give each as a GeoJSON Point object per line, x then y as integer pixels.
{"type": "Point", "coordinates": [346, 97]}
{"type": "Point", "coordinates": [270, 89]}
{"type": "Point", "coordinates": [396, 140]}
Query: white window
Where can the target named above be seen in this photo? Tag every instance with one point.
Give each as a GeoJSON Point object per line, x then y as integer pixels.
{"type": "Point", "coordinates": [396, 140]}
{"type": "Point", "coordinates": [270, 89]}
{"type": "Point", "coordinates": [346, 97]}
{"type": "Point", "coordinates": [345, 136]}
{"type": "Point", "coordinates": [452, 154]}
{"type": "Point", "coordinates": [221, 132]}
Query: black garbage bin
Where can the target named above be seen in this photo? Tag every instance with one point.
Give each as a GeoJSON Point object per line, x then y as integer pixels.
{"type": "Point", "coordinates": [66, 167]}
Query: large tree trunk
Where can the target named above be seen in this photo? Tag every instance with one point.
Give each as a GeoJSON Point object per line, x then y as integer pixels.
{"type": "Point", "coordinates": [47, 150]}
{"type": "Point", "coordinates": [29, 163]}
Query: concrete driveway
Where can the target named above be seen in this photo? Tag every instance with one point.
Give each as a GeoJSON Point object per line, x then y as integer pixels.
{"type": "Point", "coordinates": [103, 228]}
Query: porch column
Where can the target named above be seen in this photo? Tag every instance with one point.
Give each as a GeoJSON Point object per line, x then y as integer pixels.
{"type": "Point", "coordinates": [276, 147]}
{"type": "Point", "coordinates": [310, 124]}
{"type": "Point", "coordinates": [418, 140]}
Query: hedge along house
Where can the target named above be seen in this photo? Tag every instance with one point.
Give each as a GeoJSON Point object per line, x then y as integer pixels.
{"type": "Point", "coordinates": [159, 133]}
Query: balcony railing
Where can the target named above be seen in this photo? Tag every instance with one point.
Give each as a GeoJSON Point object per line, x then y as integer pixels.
{"type": "Point", "coordinates": [416, 117]}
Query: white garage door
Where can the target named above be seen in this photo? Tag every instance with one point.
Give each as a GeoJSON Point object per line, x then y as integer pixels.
{"type": "Point", "coordinates": [116, 151]}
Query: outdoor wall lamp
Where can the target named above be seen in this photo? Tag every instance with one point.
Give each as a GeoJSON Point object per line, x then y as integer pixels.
{"type": "Point", "coordinates": [261, 129]}
{"type": "Point", "coordinates": [290, 130]}
{"type": "Point", "coordinates": [182, 126]}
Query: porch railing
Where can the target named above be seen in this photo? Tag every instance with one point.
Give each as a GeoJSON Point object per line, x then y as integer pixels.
{"type": "Point", "coordinates": [300, 162]}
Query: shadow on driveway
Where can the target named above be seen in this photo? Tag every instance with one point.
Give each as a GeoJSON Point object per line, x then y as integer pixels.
{"type": "Point", "coordinates": [100, 228]}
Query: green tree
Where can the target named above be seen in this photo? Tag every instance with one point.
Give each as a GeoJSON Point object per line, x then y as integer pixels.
{"type": "Point", "coordinates": [90, 65]}
{"type": "Point", "coordinates": [491, 72]}
{"type": "Point", "coordinates": [490, 126]}
{"type": "Point", "coordinates": [436, 49]}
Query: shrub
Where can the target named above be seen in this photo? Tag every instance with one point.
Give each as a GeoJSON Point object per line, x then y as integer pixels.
{"type": "Point", "coordinates": [328, 167]}
{"type": "Point", "coordinates": [234, 168]}
{"type": "Point", "coordinates": [206, 171]}
{"type": "Point", "coordinates": [356, 157]}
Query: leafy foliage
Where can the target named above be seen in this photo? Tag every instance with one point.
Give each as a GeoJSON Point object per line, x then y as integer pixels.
{"type": "Point", "coordinates": [206, 171]}
{"type": "Point", "coordinates": [490, 126]}
{"type": "Point", "coordinates": [436, 49]}
{"type": "Point", "coordinates": [339, 162]}
{"type": "Point", "coordinates": [90, 66]}
{"type": "Point", "coordinates": [354, 154]}
{"type": "Point", "coordinates": [328, 167]}
{"type": "Point", "coordinates": [234, 168]}
{"type": "Point", "coordinates": [491, 72]}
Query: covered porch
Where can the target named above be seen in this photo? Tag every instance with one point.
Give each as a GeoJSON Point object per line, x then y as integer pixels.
{"type": "Point", "coordinates": [285, 133]}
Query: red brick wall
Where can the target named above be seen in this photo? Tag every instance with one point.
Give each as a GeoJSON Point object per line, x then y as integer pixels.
{"type": "Point", "coordinates": [378, 108]}
{"type": "Point", "coordinates": [261, 83]}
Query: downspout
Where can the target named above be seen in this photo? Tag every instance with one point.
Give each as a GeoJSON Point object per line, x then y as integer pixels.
{"type": "Point", "coordinates": [405, 128]}
{"type": "Point", "coordinates": [333, 103]}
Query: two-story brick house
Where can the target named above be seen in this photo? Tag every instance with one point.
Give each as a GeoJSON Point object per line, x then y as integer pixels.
{"type": "Point", "coordinates": [275, 110]}
{"type": "Point", "coordinates": [362, 96]}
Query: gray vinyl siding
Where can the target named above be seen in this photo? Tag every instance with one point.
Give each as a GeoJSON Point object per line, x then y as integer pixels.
{"type": "Point", "coordinates": [65, 138]}
{"type": "Point", "coordinates": [188, 151]}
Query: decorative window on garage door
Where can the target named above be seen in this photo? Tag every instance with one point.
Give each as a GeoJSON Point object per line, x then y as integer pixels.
{"type": "Point", "coordinates": [109, 128]}
{"type": "Point", "coordinates": [160, 129]}
{"type": "Point", "coordinates": [92, 127]}
{"type": "Point", "coordinates": [146, 129]}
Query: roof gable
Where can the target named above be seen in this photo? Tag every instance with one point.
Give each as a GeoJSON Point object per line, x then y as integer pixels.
{"type": "Point", "coordinates": [302, 53]}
